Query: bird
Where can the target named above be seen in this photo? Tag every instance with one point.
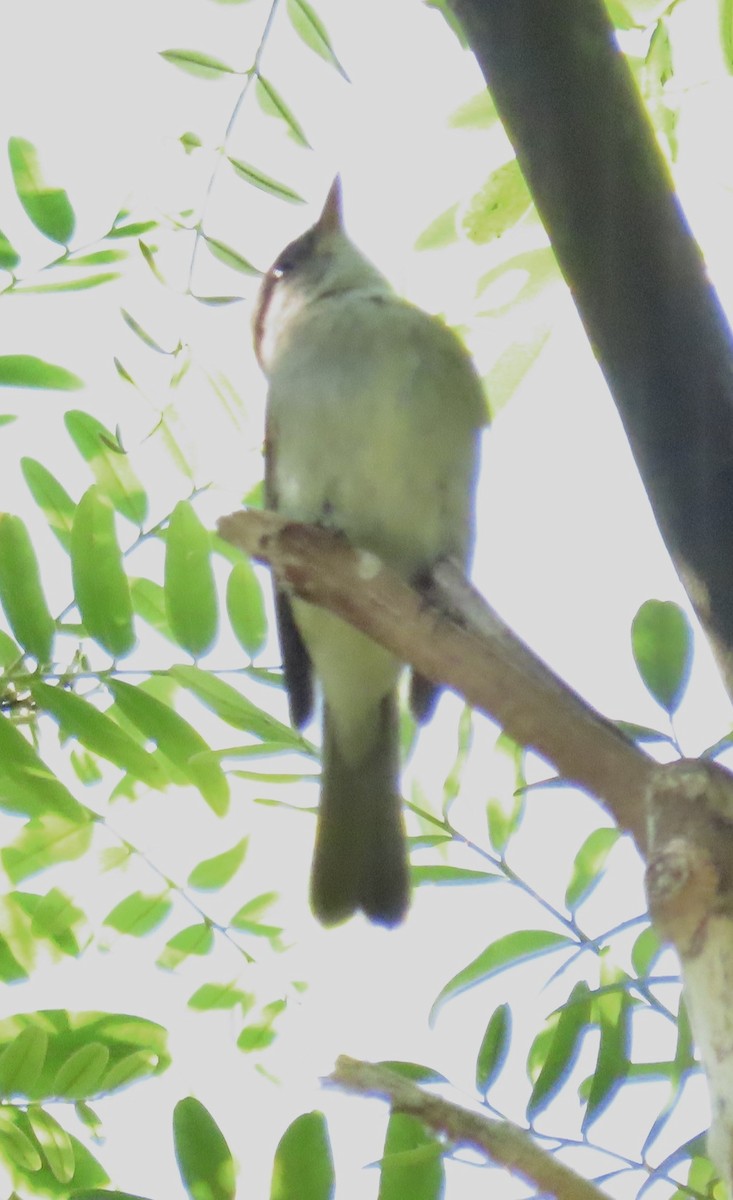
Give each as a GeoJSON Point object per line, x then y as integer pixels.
{"type": "Point", "coordinates": [373, 424]}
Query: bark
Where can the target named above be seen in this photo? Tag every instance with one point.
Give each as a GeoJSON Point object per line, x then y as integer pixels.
{"type": "Point", "coordinates": [588, 152]}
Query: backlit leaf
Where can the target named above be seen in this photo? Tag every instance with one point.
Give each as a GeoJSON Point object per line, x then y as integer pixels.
{"type": "Point", "coordinates": [51, 497]}
{"type": "Point", "coordinates": [109, 463]}
{"type": "Point", "coordinates": [661, 641]}
{"type": "Point", "coordinates": [205, 66]}
{"type": "Point", "coordinates": [25, 370]}
{"type": "Point", "coordinates": [230, 257]}
{"type": "Point", "coordinates": [215, 872]}
{"type": "Point", "coordinates": [190, 591]}
{"type": "Point", "coordinates": [309, 26]}
{"type": "Point", "coordinates": [21, 591]}
{"type": "Point", "coordinates": [139, 914]}
{"type": "Point", "coordinates": [246, 608]}
{"type": "Point", "coordinates": [272, 103]}
{"type": "Point", "coordinates": [204, 1158]}
{"type": "Point", "coordinates": [264, 182]}
{"type": "Point", "coordinates": [101, 590]}
{"type": "Point", "coordinates": [412, 1162]}
{"type": "Point", "coordinates": [303, 1166]}
{"type": "Point", "coordinates": [48, 208]}
{"type": "Point", "coordinates": [55, 1143]}
{"type": "Point", "coordinates": [505, 952]}
{"type": "Point", "coordinates": [494, 1048]}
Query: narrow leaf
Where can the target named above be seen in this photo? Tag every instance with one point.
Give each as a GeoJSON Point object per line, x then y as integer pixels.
{"type": "Point", "coordinates": [233, 707]}
{"type": "Point", "coordinates": [205, 66]}
{"type": "Point", "coordinates": [79, 719]}
{"type": "Point", "coordinates": [498, 956]}
{"type": "Point", "coordinates": [588, 865]}
{"type": "Point", "coordinates": [55, 1143]}
{"type": "Point", "coordinates": [213, 873]}
{"type": "Point", "coordinates": [25, 370]}
{"type": "Point", "coordinates": [48, 208]}
{"type": "Point", "coordinates": [51, 497]}
{"type": "Point", "coordinates": [177, 740]}
{"type": "Point", "coordinates": [494, 1048]}
{"type": "Point", "coordinates": [309, 26]}
{"type": "Point", "coordinates": [498, 205]}
{"type": "Point", "coordinates": [265, 182]}
{"type": "Point", "coordinates": [190, 592]}
{"type": "Point", "coordinates": [139, 914]}
{"type": "Point", "coordinates": [21, 591]}
{"type": "Point", "coordinates": [272, 103]}
{"type": "Point", "coordinates": [78, 1077]}
{"type": "Point", "coordinates": [138, 330]}
{"type": "Point", "coordinates": [101, 590]}
{"type": "Point", "coordinates": [230, 257]}
{"type": "Point", "coordinates": [84, 284]}
{"type": "Point", "coordinates": [26, 783]}
{"type": "Point", "coordinates": [559, 1044]}
{"type": "Point", "coordinates": [246, 607]}
{"type": "Point", "coordinates": [303, 1166]}
{"type": "Point", "coordinates": [195, 939]}
{"type": "Point", "coordinates": [661, 641]}
{"type": "Point", "coordinates": [204, 1158]}
{"type": "Point", "coordinates": [109, 463]}
{"type": "Point", "coordinates": [9, 257]}
{"type": "Point", "coordinates": [22, 1061]}
{"type": "Point", "coordinates": [148, 602]}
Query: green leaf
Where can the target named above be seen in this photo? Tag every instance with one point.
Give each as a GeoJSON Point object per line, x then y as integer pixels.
{"type": "Point", "coordinates": [494, 1048]}
{"type": "Point", "coordinates": [26, 783]}
{"type": "Point", "coordinates": [25, 370]}
{"type": "Point", "coordinates": [272, 103]}
{"type": "Point", "coordinates": [138, 330]}
{"type": "Point", "coordinates": [21, 591]}
{"type": "Point", "coordinates": [44, 842]}
{"type": "Point", "coordinates": [83, 284]}
{"type": "Point", "coordinates": [138, 1065]}
{"type": "Point", "coordinates": [246, 607]}
{"type": "Point", "coordinates": [148, 602]}
{"type": "Point", "coordinates": [9, 651]}
{"type": "Point", "coordinates": [194, 939]}
{"type": "Point", "coordinates": [556, 1048]}
{"type": "Point", "coordinates": [78, 1078]}
{"type": "Point", "coordinates": [101, 590]}
{"type": "Point", "coordinates": [109, 463]}
{"type": "Point", "coordinates": [265, 182]}
{"type": "Point", "coordinates": [230, 257]}
{"type": "Point", "coordinates": [417, 1072]}
{"type": "Point", "coordinates": [612, 1011]}
{"type": "Point", "coordinates": [512, 365]}
{"type": "Point", "coordinates": [412, 1163]}
{"type": "Point", "coordinates": [55, 1143]}
{"type": "Point", "coordinates": [79, 719]}
{"type": "Point", "coordinates": [54, 917]}
{"type": "Point", "coordinates": [21, 1062]}
{"type": "Point", "coordinates": [190, 591]}
{"type": "Point", "coordinates": [97, 258]}
{"type": "Point", "coordinates": [133, 229]}
{"type": "Point", "coordinates": [68, 1032]}
{"type": "Point", "coordinates": [505, 952]}
{"type": "Point", "coordinates": [725, 25]}
{"type": "Point", "coordinates": [204, 1158]}
{"type": "Point", "coordinates": [139, 914]}
{"type": "Point", "coordinates": [443, 231]}
{"type": "Point", "coordinates": [588, 865]}
{"type": "Point", "coordinates": [204, 66]}
{"type": "Point", "coordinates": [233, 707]}
{"type": "Point", "coordinates": [477, 113]}
{"type": "Point", "coordinates": [219, 996]}
{"type": "Point", "coordinates": [17, 1145]}
{"type": "Point", "coordinates": [531, 270]}
{"type": "Point", "coordinates": [177, 740]}
{"type": "Point", "coordinates": [310, 28]}
{"type": "Point", "coordinates": [646, 949]}
{"type": "Point", "coordinates": [48, 208]}
{"type": "Point", "coordinates": [246, 919]}
{"type": "Point", "coordinates": [661, 642]}
{"type": "Point", "coordinates": [9, 257]}
{"type": "Point", "coordinates": [442, 874]}
{"type": "Point", "coordinates": [11, 971]}
{"type": "Point", "coordinates": [303, 1166]}
{"type": "Point", "coordinates": [97, 1194]}
{"type": "Point", "coordinates": [498, 205]}
{"type": "Point", "coordinates": [213, 873]}
{"type": "Point", "coordinates": [53, 500]}
{"type": "Point", "coordinates": [260, 1034]}
{"type": "Point", "coordinates": [190, 141]}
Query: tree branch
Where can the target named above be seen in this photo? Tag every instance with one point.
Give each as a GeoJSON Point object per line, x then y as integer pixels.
{"type": "Point", "coordinates": [507, 1144]}
{"type": "Point", "coordinates": [587, 149]}
{"type": "Point", "coordinates": [455, 638]}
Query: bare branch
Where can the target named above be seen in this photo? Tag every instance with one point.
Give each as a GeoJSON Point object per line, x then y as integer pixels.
{"type": "Point", "coordinates": [507, 1144]}
{"type": "Point", "coordinates": [462, 643]}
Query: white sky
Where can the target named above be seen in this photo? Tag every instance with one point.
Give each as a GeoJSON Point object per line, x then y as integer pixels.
{"type": "Point", "coordinates": [567, 549]}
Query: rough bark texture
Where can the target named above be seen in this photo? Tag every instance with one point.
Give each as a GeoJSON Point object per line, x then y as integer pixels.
{"type": "Point", "coordinates": [589, 155]}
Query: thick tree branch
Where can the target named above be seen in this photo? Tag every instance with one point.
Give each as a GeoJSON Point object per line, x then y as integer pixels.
{"type": "Point", "coordinates": [587, 149]}
{"type": "Point", "coordinates": [470, 650]}
{"type": "Point", "coordinates": [504, 1143]}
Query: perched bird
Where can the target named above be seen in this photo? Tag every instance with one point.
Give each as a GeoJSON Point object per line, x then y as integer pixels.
{"type": "Point", "coordinates": [373, 420]}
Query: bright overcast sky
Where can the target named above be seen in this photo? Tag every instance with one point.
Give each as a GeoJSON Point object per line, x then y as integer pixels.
{"type": "Point", "coordinates": [567, 549]}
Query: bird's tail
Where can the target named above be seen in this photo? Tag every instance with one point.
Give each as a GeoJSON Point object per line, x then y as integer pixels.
{"type": "Point", "coordinates": [360, 859]}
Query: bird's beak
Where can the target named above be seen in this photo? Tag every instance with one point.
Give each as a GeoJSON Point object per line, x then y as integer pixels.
{"type": "Point", "coordinates": [331, 218]}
